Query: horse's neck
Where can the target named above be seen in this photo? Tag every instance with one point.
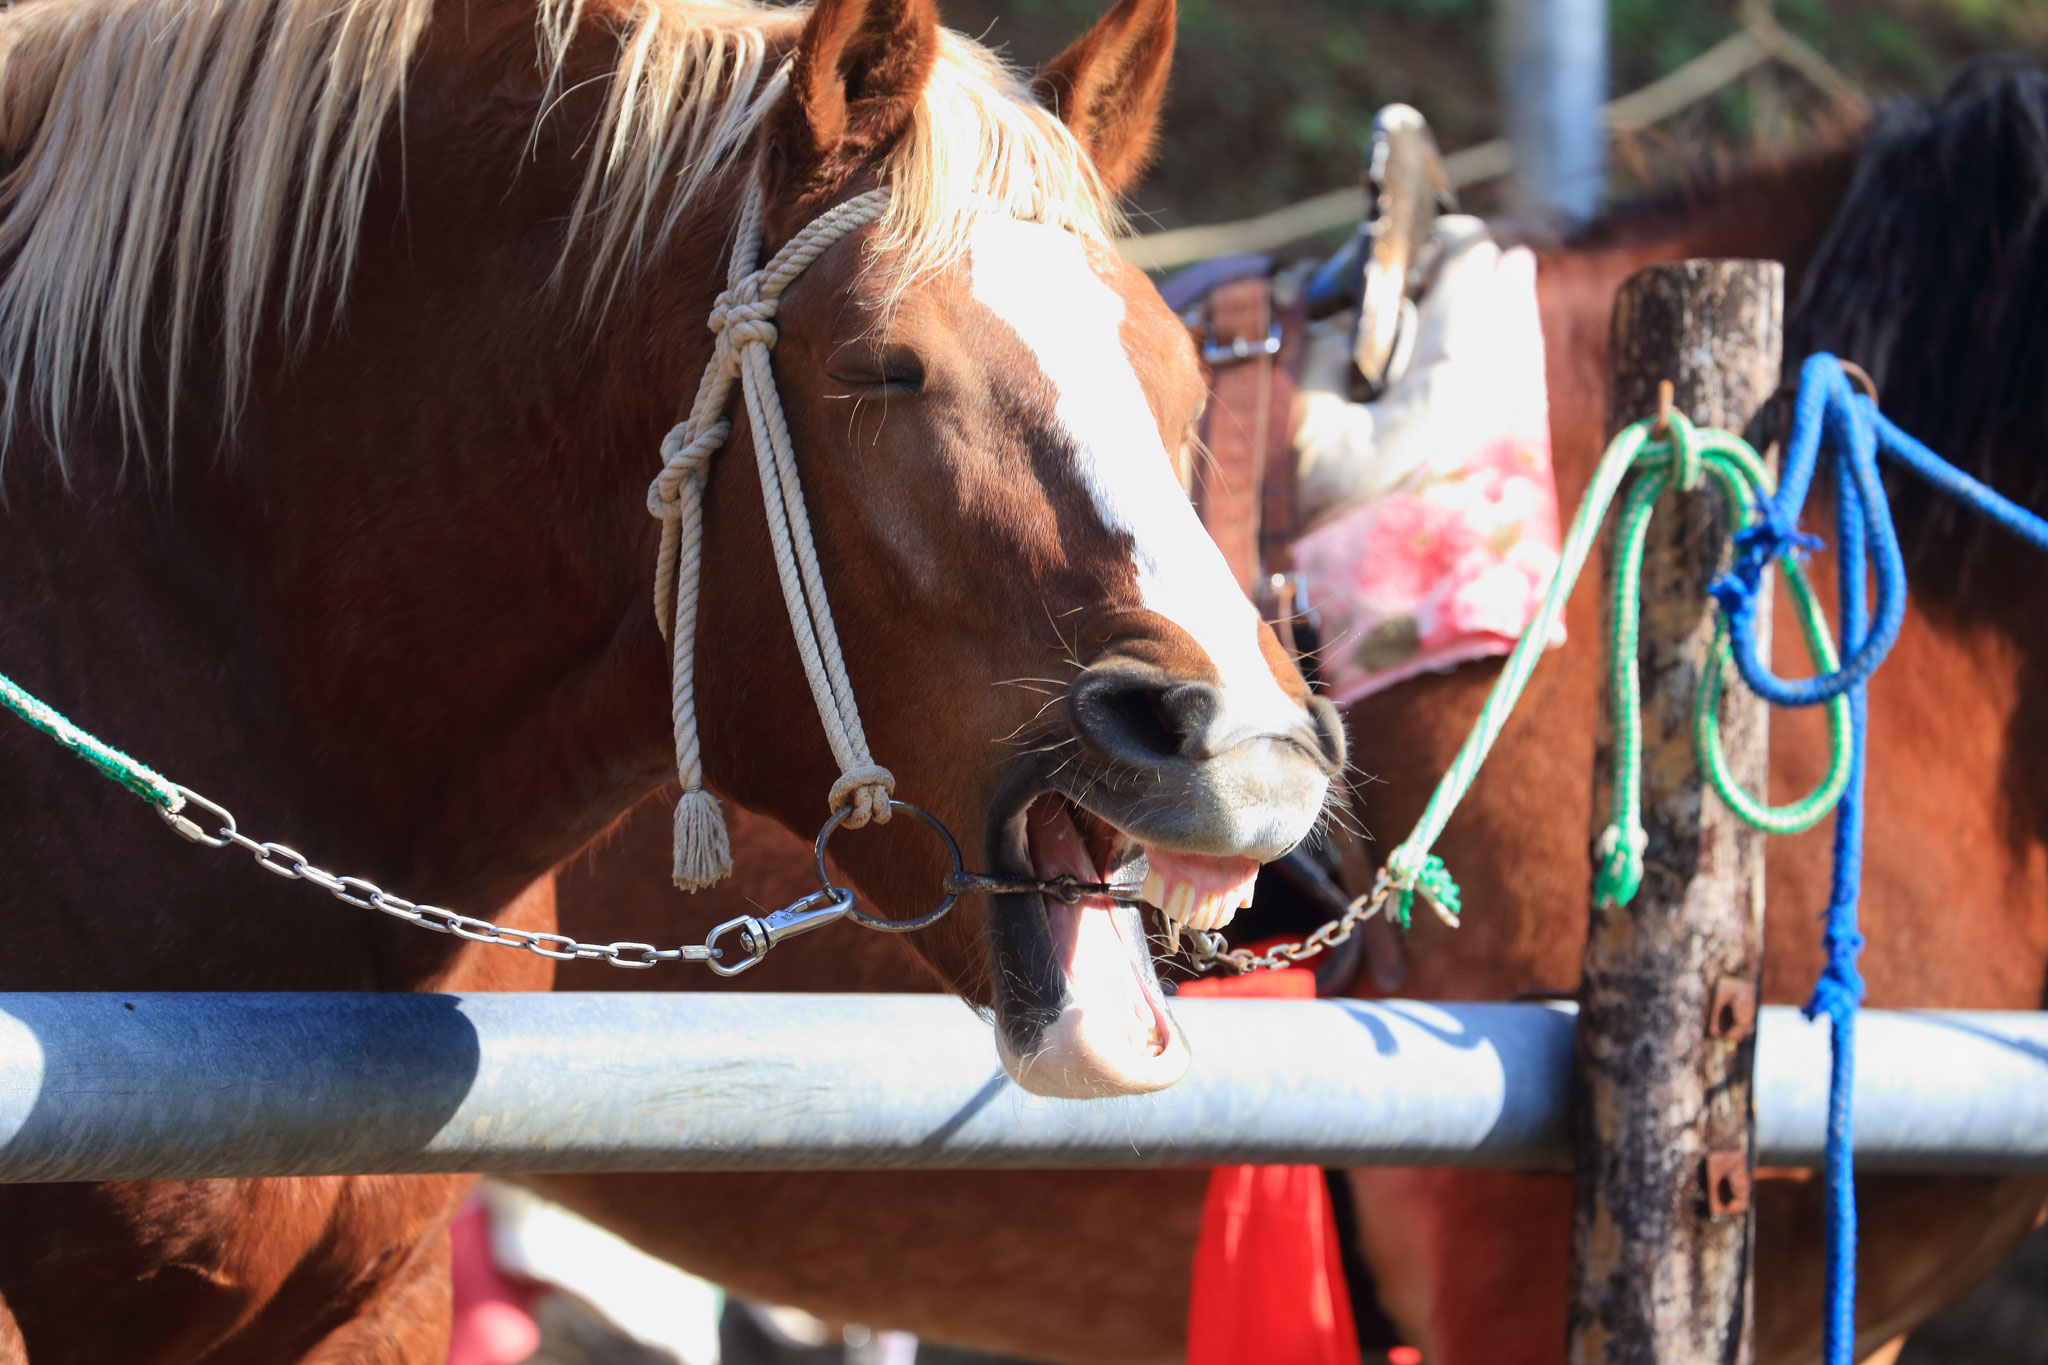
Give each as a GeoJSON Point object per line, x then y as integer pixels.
{"type": "Point", "coordinates": [1776, 211]}
{"type": "Point", "coordinates": [405, 628]}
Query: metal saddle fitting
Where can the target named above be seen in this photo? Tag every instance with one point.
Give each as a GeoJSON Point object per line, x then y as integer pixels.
{"type": "Point", "coordinates": [1217, 355]}
{"type": "Point", "coordinates": [1389, 258]}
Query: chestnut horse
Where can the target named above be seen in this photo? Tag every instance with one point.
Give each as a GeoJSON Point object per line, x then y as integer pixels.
{"type": "Point", "coordinates": [1919, 247]}
{"type": "Point", "coordinates": [340, 341]}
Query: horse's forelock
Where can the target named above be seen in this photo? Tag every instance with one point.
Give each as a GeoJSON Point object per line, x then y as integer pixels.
{"type": "Point", "coordinates": [695, 84]}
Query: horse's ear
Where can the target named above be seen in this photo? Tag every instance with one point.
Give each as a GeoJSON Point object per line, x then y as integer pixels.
{"type": "Point", "coordinates": [860, 69]}
{"type": "Point", "coordinates": [1109, 86]}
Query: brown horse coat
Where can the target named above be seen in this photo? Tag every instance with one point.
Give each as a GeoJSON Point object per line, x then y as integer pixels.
{"type": "Point", "coordinates": [340, 341]}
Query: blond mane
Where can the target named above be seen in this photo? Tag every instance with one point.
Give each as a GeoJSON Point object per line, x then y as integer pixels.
{"type": "Point", "coordinates": [177, 159]}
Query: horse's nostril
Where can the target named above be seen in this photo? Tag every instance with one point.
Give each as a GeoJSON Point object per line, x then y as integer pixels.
{"type": "Point", "coordinates": [1136, 715]}
{"type": "Point", "coordinates": [1140, 716]}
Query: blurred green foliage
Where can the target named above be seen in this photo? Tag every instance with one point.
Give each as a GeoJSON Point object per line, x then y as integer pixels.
{"type": "Point", "coordinates": [1272, 100]}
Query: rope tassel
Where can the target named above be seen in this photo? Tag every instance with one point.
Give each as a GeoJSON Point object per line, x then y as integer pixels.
{"type": "Point", "coordinates": [703, 850]}
{"type": "Point", "coordinates": [743, 323]}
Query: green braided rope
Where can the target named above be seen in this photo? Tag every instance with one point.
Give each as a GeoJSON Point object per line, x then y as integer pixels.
{"type": "Point", "coordinates": [1744, 482]}
{"type": "Point", "coordinates": [145, 781]}
{"type": "Point", "coordinates": [1411, 875]}
{"type": "Point", "coordinates": [1808, 810]}
{"type": "Point", "coordinates": [1408, 860]}
{"type": "Point", "coordinates": [1620, 848]}
{"type": "Point", "coordinates": [1741, 478]}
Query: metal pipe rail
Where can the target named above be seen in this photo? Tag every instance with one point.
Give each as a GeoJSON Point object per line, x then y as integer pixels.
{"type": "Point", "coordinates": [104, 1087]}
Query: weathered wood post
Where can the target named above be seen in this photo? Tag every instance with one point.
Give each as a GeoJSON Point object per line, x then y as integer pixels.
{"type": "Point", "coordinates": [1663, 1120]}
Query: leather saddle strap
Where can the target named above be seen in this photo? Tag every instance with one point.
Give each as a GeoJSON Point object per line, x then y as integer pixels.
{"type": "Point", "coordinates": [1228, 484]}
{"type": "Point", "coordinates": [1277, 526]}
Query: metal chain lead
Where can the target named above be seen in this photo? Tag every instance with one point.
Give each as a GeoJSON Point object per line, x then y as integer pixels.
{"type": "Point", "coordinates": [287, 862]}
{"type": "Point", "coordinates": [1208, 950]}
{"type": "Point", "coordinates": [756, 934]}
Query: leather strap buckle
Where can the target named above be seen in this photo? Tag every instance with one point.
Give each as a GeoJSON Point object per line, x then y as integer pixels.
{"type": "Point", "coordinates": [1219, 355]}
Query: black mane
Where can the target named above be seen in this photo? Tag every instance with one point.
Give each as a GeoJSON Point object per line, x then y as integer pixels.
{"type": "Point", "coordinates": [1934, 277]}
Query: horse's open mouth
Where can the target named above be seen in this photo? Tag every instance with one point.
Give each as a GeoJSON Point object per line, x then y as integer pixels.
{"type": "Point", "coordinates": [1079, 1007]}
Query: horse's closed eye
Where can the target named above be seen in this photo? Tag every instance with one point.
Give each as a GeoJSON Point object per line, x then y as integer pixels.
{"type": "Point", "coordinates": [887, 370]}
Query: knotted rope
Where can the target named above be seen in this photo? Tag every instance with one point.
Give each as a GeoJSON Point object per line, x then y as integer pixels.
{"type": "Point", "coordinates": [743, 321]}
{"type": "Point", "coordinates": [1828, 418]}
{"type": "Point", "coordinates": [1688, 457]}
{"type": "Point", "coordinates": [1831, 419]}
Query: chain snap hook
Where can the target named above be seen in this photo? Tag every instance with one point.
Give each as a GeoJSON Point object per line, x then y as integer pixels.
{"type": "Point", "coordinates": [758, 933]}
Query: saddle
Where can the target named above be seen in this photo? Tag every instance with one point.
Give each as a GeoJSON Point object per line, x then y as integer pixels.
{"type": "Point", "coordinates": [1250, 323]}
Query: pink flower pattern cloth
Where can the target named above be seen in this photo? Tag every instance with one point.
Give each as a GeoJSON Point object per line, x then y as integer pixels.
{"type": "Point", "coordinates": [1449, 566]}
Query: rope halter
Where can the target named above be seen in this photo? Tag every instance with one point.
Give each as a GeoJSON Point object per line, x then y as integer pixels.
{"type": "Point", "coordinates": [743, 321]}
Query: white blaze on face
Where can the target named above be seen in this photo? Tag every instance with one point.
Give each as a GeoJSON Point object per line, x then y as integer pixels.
{"type": "Point", "coordinates": [1037, 279]}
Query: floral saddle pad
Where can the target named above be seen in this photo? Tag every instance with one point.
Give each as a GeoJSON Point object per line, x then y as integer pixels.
{"type": "Point", "coordinates": [1448, 563]}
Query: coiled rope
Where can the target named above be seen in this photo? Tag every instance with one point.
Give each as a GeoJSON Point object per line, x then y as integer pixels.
{"type": "Point", "coordinates": [1685, 455]}
{"type": "Point", "coordinates": [1832, 418]}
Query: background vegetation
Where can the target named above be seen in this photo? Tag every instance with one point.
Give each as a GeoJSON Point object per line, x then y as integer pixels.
{"type": "Point", "coordinates": [1272, 99]}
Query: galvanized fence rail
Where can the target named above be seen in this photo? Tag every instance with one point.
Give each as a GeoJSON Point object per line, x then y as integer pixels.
{"type": "Point", "coordinates": [103, 1086]}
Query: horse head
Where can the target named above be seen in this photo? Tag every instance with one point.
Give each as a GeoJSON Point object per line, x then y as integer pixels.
{"type": "Point", "coordinates": [1049, 652]}
{"type": "Point", "coordinates": [1056, 654]}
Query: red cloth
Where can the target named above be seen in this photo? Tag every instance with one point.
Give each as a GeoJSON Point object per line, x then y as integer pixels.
{"type": "Point", "coordinates": [1269, 1283]}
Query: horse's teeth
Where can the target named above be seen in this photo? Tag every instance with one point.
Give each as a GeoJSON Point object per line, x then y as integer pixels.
{"type": "Point", "coordinates": [1187, 904]}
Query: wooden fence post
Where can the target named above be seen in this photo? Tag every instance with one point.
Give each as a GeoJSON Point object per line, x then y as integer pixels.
{"type": "Point", "coordinates": [1663, 1122]}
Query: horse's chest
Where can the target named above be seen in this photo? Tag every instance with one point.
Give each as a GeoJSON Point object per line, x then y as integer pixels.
{"type": "Point", "coordinates": [229, 1270]}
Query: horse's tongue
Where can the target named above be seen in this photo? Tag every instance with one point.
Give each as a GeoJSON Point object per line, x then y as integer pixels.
{"type": "Point", "coordinates": [1198, 891]}
{"type": "Point", "coordinates": [1117, 1014]}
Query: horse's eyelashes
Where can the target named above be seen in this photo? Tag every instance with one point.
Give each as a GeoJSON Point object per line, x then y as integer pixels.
{"type": "Point", "coordinates": [890, 370]}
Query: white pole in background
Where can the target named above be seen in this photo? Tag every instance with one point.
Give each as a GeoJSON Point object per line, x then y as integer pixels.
{"type": "Point", "coordinates": [1553, 56]}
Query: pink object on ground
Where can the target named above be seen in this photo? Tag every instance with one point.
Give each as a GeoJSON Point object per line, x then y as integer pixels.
{"type": "Point", "coordinates": [1450, 565]}
{"type": "Point", "coordinates": [491, 1326]}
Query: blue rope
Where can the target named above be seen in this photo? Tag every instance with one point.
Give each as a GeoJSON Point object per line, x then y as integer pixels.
{"type": "Point", "coordinates": [1830, 416]}
{"type": "Point", "coordinates": [1931, 468]}
{"type": "Point", "coordinates": [1839, 991]}
{"type": "Point", "coordinates": [1826, 408]}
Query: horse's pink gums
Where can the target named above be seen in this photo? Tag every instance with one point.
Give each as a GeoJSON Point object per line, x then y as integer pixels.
{"type": "Point", "coordinates": [1197, 890]}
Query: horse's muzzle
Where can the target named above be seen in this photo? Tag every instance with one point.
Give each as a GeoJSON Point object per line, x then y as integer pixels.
{"type": "Point", "coordinates": [1174, 787]}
